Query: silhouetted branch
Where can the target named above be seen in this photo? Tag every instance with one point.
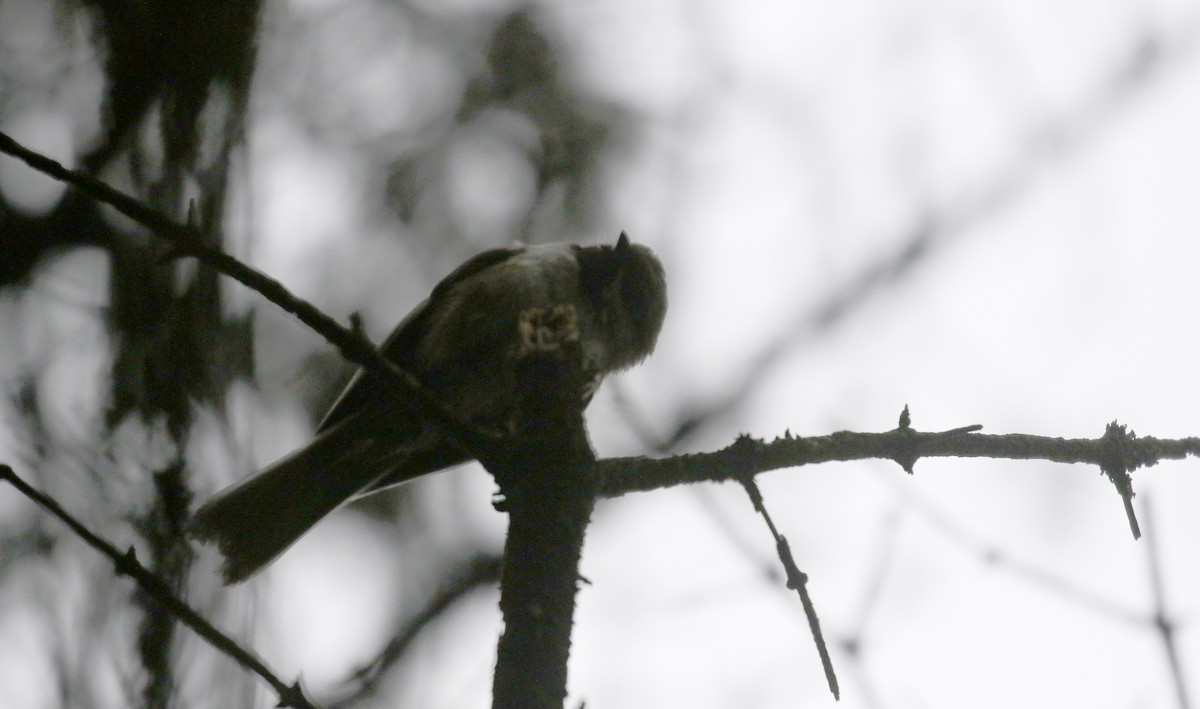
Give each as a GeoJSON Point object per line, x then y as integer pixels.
{"type": "Point", "coordinates": [796, 580]}
{"type": "Point", "coordinates": [546, 489]}
{"type": "Point", "coordinates": [1117, 453]}
{"type": "Point", "coordinates": [1117, 450]}
{"type": "Point", "coordinates": [537, 473]}
{"type": "Point", "coordinates": [126, 564]}
{"type": "Point", "coordinates": [189, 241]}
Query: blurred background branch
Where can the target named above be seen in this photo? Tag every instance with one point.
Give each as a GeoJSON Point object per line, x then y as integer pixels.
{"type": "Point", "coordinates": [982, 209]}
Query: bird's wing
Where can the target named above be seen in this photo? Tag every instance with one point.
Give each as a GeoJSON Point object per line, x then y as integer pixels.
{"type": "Point", "coordinates": [401, 342]}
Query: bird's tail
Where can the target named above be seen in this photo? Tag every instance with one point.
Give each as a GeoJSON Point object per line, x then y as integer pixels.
{"type": "Point", "coordinates": [255, 520]}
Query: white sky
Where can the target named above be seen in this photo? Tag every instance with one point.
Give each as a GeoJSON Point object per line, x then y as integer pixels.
{"type": "Point", "coordinates": [780, 150]}
{"type": "Point", "coordinates": [784, 148]}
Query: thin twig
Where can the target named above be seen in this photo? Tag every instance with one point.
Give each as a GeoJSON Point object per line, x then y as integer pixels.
{"type": "Point", "coordinates": [126, 564]}
{"type": "Point", "coordinates": [188, 241]}
{"type": "Point", "coordinates": [796, 579]}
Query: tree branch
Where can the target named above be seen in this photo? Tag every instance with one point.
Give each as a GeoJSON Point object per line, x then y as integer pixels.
{"type": "Point", "coordinates": [188, 241]}
{"type": "Point", "coordinates": [1117, 453]}
{"type": "Point", "coordinates": [797, 580]}
{"type": "Point", "coordinates": [546, 487]}
{"type": "Point", "coordinates": [126, 564]}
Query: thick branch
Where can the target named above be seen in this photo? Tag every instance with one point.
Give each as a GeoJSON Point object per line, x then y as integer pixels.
{"type": "Point", "coordinates": [548, 516]}
{"type": "Point", "coordinates": [546, 486]}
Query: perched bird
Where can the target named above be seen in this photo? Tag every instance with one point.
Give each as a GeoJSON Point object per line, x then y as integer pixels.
{"type": "Point", "coordinates": [463, 344]}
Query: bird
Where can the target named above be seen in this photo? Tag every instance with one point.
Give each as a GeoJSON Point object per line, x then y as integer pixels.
{"type": "Point", "coordinates": [463, 344]}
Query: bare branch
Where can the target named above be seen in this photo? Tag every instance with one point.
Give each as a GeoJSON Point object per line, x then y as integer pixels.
{"type": "Point", "coordinates": [189, 241]}
{"type": "Point", "coordinates": [1118, 452]}
{"type": "Point", "coordinates": [126, 564]}
{"type": "Point", "coordinates": [797, 580]}
{"type": "Point", "coordinates": [546, 490]}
